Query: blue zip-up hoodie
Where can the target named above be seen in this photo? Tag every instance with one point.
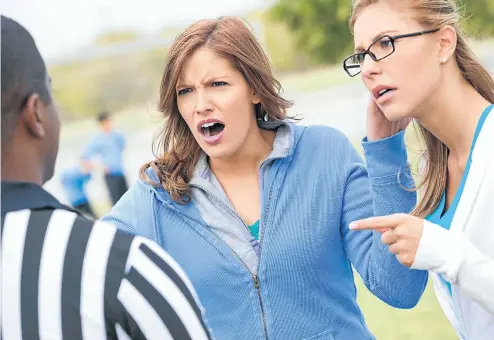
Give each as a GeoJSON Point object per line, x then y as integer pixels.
{"type": "Point", "coordinates": [301, 285]}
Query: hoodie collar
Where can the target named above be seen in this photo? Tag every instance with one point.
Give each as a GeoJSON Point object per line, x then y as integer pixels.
{"type": "Point", "coordinates": [282, 147]}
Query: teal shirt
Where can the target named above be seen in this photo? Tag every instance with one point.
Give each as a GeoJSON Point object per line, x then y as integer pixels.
{"type": "Point", "coordinates": [444, 218]}
{"type": "Point", "coordinates": [254, 230]}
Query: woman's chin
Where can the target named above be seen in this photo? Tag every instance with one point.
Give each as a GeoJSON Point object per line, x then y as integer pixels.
{"type": "Point", "coordinates": [218, 151]}
{"type": "Point", "coordinates": [395, 113]}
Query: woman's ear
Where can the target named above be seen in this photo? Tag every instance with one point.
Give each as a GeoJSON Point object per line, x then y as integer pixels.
{"type": "Point", "coordinates": [447, 43]}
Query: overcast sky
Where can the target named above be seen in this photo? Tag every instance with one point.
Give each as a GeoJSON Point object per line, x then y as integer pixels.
{"type": "Point", "coordinates": [61, 26]}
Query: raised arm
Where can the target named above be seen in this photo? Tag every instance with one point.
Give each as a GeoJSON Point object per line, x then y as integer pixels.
{"type": "Point", "coordinates": [374, 191]}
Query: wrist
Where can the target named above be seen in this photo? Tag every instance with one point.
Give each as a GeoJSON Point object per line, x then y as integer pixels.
{"type": "Point", "coordinates": [373, 136]}
{"type": "Point", "coordinates": [386, 156]}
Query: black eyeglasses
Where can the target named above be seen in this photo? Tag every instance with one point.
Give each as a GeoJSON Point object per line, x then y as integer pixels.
{"type": "Point", "coordinates": [379, 49]}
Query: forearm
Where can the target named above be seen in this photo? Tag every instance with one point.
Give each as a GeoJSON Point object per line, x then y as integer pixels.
{"type": "Point", "coordinates": [380, 270]}
{"type": "Point", "coordinates": [388, 177]}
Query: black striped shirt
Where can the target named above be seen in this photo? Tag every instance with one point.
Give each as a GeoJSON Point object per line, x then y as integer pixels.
{"type": "Point", "coordinates": [66, 277]}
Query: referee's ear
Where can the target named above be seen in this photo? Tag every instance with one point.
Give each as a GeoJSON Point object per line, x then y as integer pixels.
{"type": "Point", "coordinates": [33, 116]}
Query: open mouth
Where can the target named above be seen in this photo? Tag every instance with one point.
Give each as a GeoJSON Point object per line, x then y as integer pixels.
{"type": "Point", "coordinates": [211, 129]}
{"type": "Point", "coordinates": [383, 92]}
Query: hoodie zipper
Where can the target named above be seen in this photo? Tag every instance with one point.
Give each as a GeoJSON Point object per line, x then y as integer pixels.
{"type": "Point", "coordinates": [261, 233]}
{"type": "Point", "coordinates": [258, 290]}
{"type": "Point", "coordinates": [255, 278]}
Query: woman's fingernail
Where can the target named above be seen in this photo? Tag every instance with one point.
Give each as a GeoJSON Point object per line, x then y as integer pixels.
{"type": "Point", "coordinates": [352, 225]}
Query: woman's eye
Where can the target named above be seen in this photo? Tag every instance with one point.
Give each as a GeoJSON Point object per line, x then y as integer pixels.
{"type": "Point", "coordinates": [385, 43]}
{"type": "Point", "coordinates": [184, 91]}
{"type": "Point", "coordinates": [218, 83]}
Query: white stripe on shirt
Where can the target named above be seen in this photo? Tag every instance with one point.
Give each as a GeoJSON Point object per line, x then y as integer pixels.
{"type": "Point", "coordinates": [132, 312]}
{"type": "Point", "coordinates": [121, 334]}
{"type": "Point", "coordinates": [143, 313]}
{"type": "Point", "coordinates": [50, 274]}
{"type": "Point", "coordinates": [172, 263]}
{"type": "Point", "coordinates": [166, 287]}
{"type": "Point", "coordinates": [93, 281]}
{"type": "Point", "coordinates": [12, 254]}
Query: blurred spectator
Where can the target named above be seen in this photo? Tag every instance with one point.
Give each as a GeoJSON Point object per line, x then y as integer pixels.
{"type": "Point", "coordinates": [108, 146]}
{"type": "Point", "coordinates": [74, 181]}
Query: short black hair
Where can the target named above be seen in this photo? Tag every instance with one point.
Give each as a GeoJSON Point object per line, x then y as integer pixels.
{"type": "Point", "coordinates": [102, 116]}
{"type": "Point", "coordinates": [23, 71]}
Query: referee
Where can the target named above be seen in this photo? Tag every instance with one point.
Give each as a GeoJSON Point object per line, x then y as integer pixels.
{"type": "Point", "coordinates": [62, 275]}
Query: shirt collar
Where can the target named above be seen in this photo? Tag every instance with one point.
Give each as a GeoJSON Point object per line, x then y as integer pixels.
{"type": "Point", "coordinates": [25, 195]}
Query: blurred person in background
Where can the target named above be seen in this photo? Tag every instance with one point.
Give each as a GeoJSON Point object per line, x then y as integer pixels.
{"type": "Point", "coordinates": [107, 148]}
{"type": "Point", "coordinates": [64, 276]}
{"type": "Point", "coordinates": [414, 59]}
{"type": "Point", "coordinates": [74, 181]}
{"type": "Point", "coordinates": [256, 208]}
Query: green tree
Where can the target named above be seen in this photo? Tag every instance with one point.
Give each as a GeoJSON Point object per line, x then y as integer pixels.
{"type": "Point", "coordinates": [320, 27]}
{"type": "Point", "coordinates": [478, 17]}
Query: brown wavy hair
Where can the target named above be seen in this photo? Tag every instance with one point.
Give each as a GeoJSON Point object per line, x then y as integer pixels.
{"type": "Point", "coordinates": [432, 14]}
{"type": "Point", "coordinates": [232, 39]}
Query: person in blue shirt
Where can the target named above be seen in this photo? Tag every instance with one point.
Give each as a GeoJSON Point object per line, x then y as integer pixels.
{"type": "Point", "coordinates": [256, 208]}
{"type": "Point", "coordinates": [414, 59]}
{"type": "Point", "coordinates": [107, 147]}
{"type": "Point", "coordinates": [74, 181]}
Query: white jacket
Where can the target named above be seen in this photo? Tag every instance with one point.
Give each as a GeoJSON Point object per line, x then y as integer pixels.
{"type": "Point", "coordinates": [464, 255]}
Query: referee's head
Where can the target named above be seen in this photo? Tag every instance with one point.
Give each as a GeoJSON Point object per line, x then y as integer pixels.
{"type": "Point", "coordinates": [30, 121]}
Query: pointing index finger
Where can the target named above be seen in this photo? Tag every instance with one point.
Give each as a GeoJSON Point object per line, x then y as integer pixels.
{"type": "Point", "coordinates": [379, 222]}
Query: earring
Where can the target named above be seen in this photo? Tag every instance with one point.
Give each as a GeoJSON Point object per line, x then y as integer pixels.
{"type": "Point", "coordinates": [266, 117]}
{"type": "Point", "coordinates": [443, 60]}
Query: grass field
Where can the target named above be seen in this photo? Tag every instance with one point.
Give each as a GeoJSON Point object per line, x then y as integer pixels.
{"type": "Point", "coordinates": [424, 322]}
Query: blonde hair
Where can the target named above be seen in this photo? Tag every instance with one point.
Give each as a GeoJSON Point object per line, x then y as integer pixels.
{"type": "Point", "coordinates": [233, 40]}
{"type": "Point", "coordinates": [436, 14]}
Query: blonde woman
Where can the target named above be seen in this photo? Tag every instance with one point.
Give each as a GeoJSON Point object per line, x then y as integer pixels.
{"type": "Point", "coordinates": [414, 59]}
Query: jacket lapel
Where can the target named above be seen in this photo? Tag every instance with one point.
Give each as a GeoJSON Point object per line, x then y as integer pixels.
{"type": "Point", "coordinates": [476, 175]}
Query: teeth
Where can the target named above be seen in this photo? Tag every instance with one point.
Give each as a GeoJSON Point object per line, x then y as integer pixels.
{"type": "Point", "coordinates": [206, 125]}
{"type": "Point", "coordinates": [382, 91]}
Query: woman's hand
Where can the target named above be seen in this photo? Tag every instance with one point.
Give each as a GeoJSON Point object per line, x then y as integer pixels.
{"type": "Point", "coordinates": [378, 126]}
{"type": "Point", "coordinates": [401, 232]}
